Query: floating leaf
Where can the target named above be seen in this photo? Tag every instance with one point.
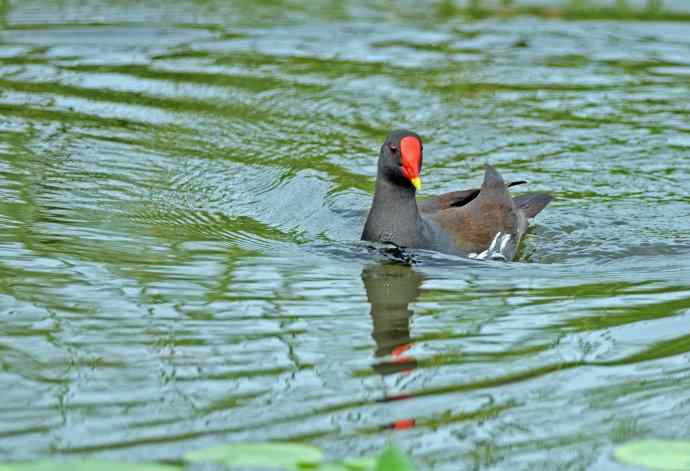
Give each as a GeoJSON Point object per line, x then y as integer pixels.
{"type": "Point", "coordinates": [360, 464]}
{"type": "Point", "coordinates": [392, 459]}
{"type": "Point", "coordinates": [666, 455]}
{"type": "Point", "coordinates": [267, 455]}
{"type": "Point", "coordinates": [86, 465]}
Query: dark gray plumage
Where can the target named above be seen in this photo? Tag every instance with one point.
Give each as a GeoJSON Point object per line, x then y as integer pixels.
{"type": "Point", "coordinates": [485, 222]}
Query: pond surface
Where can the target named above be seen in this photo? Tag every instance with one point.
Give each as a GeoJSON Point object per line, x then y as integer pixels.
{"type": "Point", "coordinates": [182, 190]}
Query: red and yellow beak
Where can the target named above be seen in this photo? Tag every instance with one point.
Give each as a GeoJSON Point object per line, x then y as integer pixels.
{"type": "Point", "coordinates": [416, 182]}
{"type": "Point", "coordinates": [411, 156]}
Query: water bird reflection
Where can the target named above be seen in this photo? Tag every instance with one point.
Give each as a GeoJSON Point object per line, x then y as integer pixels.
{"type": "Point", "coordinates": [391, 287]}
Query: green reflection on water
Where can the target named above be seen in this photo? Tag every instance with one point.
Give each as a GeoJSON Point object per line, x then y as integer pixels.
{"type": "Point", "coordinates": [182, 191]}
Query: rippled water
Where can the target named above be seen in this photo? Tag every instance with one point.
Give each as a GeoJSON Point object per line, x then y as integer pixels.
{"type": "Point", "coordinates": [181, 193]}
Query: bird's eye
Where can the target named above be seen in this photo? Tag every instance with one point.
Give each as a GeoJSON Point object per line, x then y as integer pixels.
{"type": "Point", "coordinates": [392, 147]}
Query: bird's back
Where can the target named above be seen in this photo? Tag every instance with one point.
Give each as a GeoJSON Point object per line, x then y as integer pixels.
{"type": "Point", "coordinates": [490, 225]}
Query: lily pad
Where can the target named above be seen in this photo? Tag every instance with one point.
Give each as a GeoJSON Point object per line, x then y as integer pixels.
{"type": "Point", "coordinates": [85, 465]}
{"type": "Point", "coordinates": [392, 459]}
{"type": "Point", "coordinates": [266, 455]}
{"type": "Point", "coordinates": [666, 455]}
{"type": "Point", "coordinates": [360, 464]}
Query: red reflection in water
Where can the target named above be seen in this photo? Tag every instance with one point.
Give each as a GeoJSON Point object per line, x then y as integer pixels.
{"type": "Point", "coordinates": [390, 290]}
{"type": "Point", "coordinates": [404, 424]}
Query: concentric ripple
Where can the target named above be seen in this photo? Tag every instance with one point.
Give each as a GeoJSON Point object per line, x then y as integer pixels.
{"type": "Point", "coordinates": [182, 190]}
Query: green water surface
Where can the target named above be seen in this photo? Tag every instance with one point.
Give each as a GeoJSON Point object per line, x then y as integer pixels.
{"type": "Point", "coordinates": [182, 190]}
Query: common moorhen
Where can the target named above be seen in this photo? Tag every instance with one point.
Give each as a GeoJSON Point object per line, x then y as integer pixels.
{"type": "Point", "coordinates": [479, 223]}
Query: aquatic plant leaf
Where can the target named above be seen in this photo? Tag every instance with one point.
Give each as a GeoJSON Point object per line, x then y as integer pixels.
{"type": "Point", "coordinates": [268, 455]}
{"type": "Point", "coordinates": [360, 464]}
{"type": "Point", "coordinates": [666, 455]}
{"type": "Point", "coordinates": [86, 465]}
{"type": "Point", "coordinates": [392, 459]}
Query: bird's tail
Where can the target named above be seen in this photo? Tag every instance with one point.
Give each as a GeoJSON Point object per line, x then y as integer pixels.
{"type": "Point", "coordinates": [532, 203]}
{"type": "Point", "coordinates": [492, 179]}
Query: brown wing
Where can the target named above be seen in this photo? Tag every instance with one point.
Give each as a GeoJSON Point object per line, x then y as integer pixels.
{"type": "Point", "coordinates": [454, 199]}
{"type": "Point", "coordinates": [474, 225]}
{"type": "Point", "coordinates": [447, 200]}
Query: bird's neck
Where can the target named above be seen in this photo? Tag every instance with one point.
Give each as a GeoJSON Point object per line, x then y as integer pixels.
{"type": "Point", "coordinates": [394, 216]}
{"type": "Point", "coordinates": [396, 198]}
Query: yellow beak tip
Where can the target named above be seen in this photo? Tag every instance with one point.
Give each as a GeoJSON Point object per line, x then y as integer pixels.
{"type": "Point", "coordinates": [417, 183]}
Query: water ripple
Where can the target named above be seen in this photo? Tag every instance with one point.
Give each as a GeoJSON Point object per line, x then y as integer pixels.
{"type": "Point", "coordinates": [182, 190]}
